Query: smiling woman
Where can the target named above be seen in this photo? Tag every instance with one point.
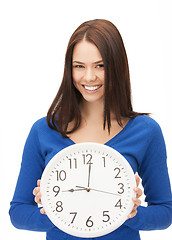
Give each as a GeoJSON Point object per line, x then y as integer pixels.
{"type": "Point", "coordinates": [93, 104]}
{"type": "Point", "coordinates": [93, 41]}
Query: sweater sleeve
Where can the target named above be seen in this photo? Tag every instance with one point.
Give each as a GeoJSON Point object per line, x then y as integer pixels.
{"type": "Point", "coordinates": [24, 212]}
{"type": "Point", "coordinates": [155, 180]}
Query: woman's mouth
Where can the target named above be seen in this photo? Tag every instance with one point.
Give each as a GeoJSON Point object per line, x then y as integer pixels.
{"type": "Point", "coordinates": [92, 88]}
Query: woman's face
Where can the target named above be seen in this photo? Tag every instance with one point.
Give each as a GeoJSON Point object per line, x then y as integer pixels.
{"type": "Point", "coordinates": [88, 71]}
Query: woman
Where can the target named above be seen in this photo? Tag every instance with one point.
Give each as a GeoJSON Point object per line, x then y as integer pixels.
{"type": "Point", "coordinates": [93, 104]}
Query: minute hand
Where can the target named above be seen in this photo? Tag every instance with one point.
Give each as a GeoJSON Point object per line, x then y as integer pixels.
{"type": "Point", "coordinates": [92, 189]}
{"type": "Point", "coordinates": [97, 190]}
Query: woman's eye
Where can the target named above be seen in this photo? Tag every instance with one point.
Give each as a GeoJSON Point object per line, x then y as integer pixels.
{"type": "Point", "coordinates": [78, 66]}
{"type": "Point", "coordinates": [100, 66]}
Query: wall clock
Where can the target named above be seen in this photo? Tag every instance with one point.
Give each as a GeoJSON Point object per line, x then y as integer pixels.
{"type": "Point", "coordinates": [87, 189]}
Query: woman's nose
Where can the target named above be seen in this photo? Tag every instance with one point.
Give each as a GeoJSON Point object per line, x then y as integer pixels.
{"type": "Point", "coordinates": [90, 75]}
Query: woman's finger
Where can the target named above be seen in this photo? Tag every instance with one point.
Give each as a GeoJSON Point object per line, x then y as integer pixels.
{"type": "Point", "coordinates": [132, 214]}
{"type": "Point", "coordinates": [137, 202]}
{"type": "Point", "coordinates": [138, 192]}
{"type": "Point", "coordinates": [137, 179]}
{"type": "Point", "coordinates": [38, 182]}
{"type": "Point", "coordinates": [38, 198]}
{"type": "Point", "coordinates": [36, 190]}
{"type": "Point", "coordinates": [37, 194]}
{"type": "Point", "coordinates": [42, 210]}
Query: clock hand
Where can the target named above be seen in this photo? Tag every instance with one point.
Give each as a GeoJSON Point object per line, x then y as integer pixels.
{"type": "Point", "coordinates": [83, 188]}
{"type": "Point", "coordinates": [89, 171]}
{"type": "Point", "coordinates": [73, 190]}
{"type": "Point", "coordinates": [92, 189]}
{"type": "Point", "coordinates": [97, 190]}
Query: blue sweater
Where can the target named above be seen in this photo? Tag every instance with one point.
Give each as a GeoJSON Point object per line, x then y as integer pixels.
{"type": "Point", "coordinates": [140, 142]}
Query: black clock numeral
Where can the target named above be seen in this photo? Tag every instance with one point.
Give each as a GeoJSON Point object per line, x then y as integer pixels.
{"type": "Point", "coordinates": [121, 188]}
{"type": "Point", "coordinates": [87, 158]}
{"type": "Point", "coordinates": [117, 172]}
{"type": "Point", "coordinates": [72, 163]}
{"type": "Point", "coordinates": [75, 213]}
{"type": "Point", "coordinates": [56, 189]}
{"type": "Point", "coordinates": [119, 204]}
{"type": "Point", "coordinates": [59, 207]}
{"type": "Point", "coordinates": [107, 217]}
{"type": "Point", "coordinates": [89, 222]}
{"type": "Point", "coordinates": [61, 175]}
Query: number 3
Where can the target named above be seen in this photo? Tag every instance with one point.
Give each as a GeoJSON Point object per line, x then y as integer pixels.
{"type": "Point", "coordinates": [122, 188]}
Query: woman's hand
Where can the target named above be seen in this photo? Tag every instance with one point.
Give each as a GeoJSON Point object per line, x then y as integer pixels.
{"type": "Point", "coordinates": [136, 200]}
{"type": "Point", "coordinates": [37, 194]}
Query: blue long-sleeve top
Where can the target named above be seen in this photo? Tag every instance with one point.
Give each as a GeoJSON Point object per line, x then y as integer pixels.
{"type": "Point", "coordinates": [141, 142]}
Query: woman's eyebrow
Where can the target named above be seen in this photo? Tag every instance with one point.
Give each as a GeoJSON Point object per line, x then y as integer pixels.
{"type": "Point", "coordinates": [78, 62]}
{"type": "Point", "coordinates": [99, 61]}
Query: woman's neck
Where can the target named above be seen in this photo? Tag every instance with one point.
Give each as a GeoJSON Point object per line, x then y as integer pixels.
{"type": "Point", "coordinates": [92, 111]}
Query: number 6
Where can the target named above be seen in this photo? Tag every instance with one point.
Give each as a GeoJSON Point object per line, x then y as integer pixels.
{"type": "Point", "coordinates": [89, 222]}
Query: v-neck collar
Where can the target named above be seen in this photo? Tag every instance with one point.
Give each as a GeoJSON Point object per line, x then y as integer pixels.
{"type": "Point", "coordinates": [113, 138]}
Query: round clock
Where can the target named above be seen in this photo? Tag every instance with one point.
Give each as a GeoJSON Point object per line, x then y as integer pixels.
{"type": "Point", "coordinates": [87, 189]}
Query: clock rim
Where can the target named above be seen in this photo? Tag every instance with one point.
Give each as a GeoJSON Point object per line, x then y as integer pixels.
{"type": "Point", "coordinates": [71, 231]}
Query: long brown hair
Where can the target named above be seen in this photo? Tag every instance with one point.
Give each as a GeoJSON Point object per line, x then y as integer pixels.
{"type": "Point", "coordinates": [65, 107]}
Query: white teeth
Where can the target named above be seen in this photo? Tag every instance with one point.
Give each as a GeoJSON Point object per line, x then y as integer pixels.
{"type": "Point", "coordinates": [91, 88]}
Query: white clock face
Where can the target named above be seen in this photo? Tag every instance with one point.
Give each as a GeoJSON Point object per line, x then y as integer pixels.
{"type": "Point", "coordinates": [87, 189]}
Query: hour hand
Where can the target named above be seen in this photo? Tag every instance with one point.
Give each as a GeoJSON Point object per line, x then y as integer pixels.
{"type": "Point", "coordinates": [74, 190]}
{"type": "Point", "coordinates": [83, 188]}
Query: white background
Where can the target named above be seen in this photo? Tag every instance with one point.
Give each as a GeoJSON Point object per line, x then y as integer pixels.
{"type": "Point", "coordinates": [34, 36]}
